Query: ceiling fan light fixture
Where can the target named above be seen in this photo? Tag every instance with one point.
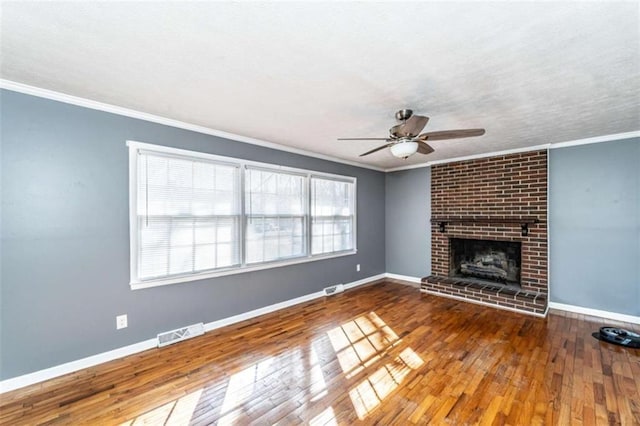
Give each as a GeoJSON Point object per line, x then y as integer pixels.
{"type": "Point", "coordinates": [405, 139]}
{"type": "Point", "coordinates": [404, 149]}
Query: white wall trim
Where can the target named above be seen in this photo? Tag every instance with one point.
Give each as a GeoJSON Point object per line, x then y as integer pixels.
{"type": "Point", "coordinates": [595, 312]}
{"type": "Point", "coordinates": [141, 285]}
{"type": "Point", "coordinates": [282, 305]}
{"type": "Point", "coordinates": [114, 109]}
{"type": "Point", "coordinates": [408, 278]}
{"type": "Point", "coordinates": [472, 157]}
{"type": "Point", "coordinates": [411, 167]}
{"type": "Point", "coordinates": [492, 154]}
{"type": "Point", "coordinates": [596, 139]}
{"type": "Point", "coordinates": [127, 112]}
{"type": "Point", "coordinates": [478, 302]}
{"type": "Point", "coordinates": [552, 145]}
{"type": "Point", "coordinates": [261, 311]}
{"type": "Point", "coordinates": [69, 367]}
{"type": "Point", "coordinates": [548, 228]}
{"type": "Point", "coordinates": [363, 281]}
{"type": "Point", "coordinates": [241, 166]}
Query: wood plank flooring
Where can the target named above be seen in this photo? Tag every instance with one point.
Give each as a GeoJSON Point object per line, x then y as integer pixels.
{"type": "Point", "coordinates": [380, 354]}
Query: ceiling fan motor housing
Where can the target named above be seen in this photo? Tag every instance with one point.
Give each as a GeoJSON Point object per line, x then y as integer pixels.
{"type": "Point", "coordinates": [404, 114]}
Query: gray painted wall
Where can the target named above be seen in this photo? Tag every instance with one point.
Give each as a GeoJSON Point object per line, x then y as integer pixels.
{"type": "Point", "coordinates": [408, 229]}
{"type": "Point", "coordinates": [65, 237]}
{"type": "Point", "coordinates": [594, 220]}
{"type": "Point", "coordinates": [64, 245]}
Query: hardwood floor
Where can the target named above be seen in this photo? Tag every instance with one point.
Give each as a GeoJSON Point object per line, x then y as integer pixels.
{"type": "Point", "coordinates": [381, 354]}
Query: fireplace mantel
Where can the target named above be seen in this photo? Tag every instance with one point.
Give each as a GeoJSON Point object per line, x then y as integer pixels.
{"type": "Point", "coordinates": [524, 222]}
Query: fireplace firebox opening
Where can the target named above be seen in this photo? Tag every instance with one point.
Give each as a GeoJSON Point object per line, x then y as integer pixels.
{"type": "Point", "coordinates": [485, 260]}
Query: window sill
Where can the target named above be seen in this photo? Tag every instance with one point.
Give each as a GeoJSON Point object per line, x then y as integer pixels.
{"type": "Point", "coordinates": [138, 285]}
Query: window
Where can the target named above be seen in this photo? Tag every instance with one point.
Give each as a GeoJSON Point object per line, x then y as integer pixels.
{"type": "Point", "coordinates": [188, 216]}
{"type": "Point", "coordinates": [196, 215]}
{"type": "Point", "coordinates": [276, 219]}
{"type": "Point", "coordinates": [332, 215]}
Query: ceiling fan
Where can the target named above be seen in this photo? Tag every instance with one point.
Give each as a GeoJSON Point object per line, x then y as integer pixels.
{"type": "Point", "coordinates": [404, 140]}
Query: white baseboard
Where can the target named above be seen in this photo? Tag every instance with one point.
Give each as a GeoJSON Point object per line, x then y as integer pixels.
{"type": "Point", "coordinates": [276, 307]}
{"type": "Point", "coordinates": [408, 278]}
{"type": "Point", "coordinates": [260, 311]}
{"type": "Point", "coordinates": [491, 305]}
{"type": "Point", "coordinates": [364, 281]}
{"type": "Point", "coordinates": [69, 367]}
{"type": "Point", "coordinates": [595, 312]}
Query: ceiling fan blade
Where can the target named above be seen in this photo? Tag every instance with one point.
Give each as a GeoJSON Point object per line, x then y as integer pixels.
{"type": "Point", "coordinates": [363, 139]}
{"type": "Point", "coordinates": [451, 134]}
{"type": "Point", "coordinates": [376, 149]}
{"type": "Point", "coordinates": [409, 128]}
{"type": "Point", "coordinates": [424, 148]}
{"type": "Point", "coordinates": [394, 131]}
{"type": "Point", "coordinates": [415, 124]}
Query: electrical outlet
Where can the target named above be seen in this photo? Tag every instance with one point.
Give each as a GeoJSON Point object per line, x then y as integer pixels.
{"type": "Point", "coordinates": [358, 267]}
{"type": "Point", "coordinates": [121, 321]}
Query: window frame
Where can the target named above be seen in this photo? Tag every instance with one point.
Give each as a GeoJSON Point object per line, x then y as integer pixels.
{"type": "Point", "coordinates": [246, 217]}
{"type": "Point", "coordinates": [238, 216]}
{"type": "Point", "coordinates": [354, 203]}
{"type": "Point", "coordinates": [135, 283]}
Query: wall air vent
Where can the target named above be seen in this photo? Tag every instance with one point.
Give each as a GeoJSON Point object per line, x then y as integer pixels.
{"type": "Point", "coordinates": [333, 289]}
{"type": "Point", "coordinates": [173, 336]}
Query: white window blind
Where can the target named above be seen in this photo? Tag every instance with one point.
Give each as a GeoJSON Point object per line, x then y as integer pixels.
{"type": "Point", "coordinates": [276, 215]}
{"type": "Point", "coordinates": [198, 215]}
{"type": "Point", "coordinates": [332, 215]}
{"type": "Point", "coordinates": [188, 215]}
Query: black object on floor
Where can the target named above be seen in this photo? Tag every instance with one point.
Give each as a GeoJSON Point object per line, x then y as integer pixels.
{"type": "Point", "coordinates": [618, 336]}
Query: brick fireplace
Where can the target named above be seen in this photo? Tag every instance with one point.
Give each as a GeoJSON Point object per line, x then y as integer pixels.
{"type": "Point", "coordinates": [489, 231]}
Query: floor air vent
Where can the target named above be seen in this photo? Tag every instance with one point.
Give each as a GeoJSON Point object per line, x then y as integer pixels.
{"type": "Point", "coordinates": [173, 336]}
{"type": "Point", "coordinates": [333, 290]}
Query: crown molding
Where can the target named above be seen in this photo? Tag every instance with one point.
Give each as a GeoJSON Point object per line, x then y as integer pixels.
{"type": "Point", "coordinates": [412, 166]}
{"type": "Point", "coordinates": [596, 139]}
{"type": "Point", "coordinates": [553, 145]}
{"type": "Point", "coordinates": [114, 109]}
{"type": "Point", "coordinates": [470, 157]}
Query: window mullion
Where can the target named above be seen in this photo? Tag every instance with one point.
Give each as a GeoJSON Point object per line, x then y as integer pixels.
{"type": "Point", "coordinates": [307, 225]}
{"type": "Point", "coordinates": [194, 222]}
{"type": "Point", "coordinates": [216, 243]}
{"type": "Point", "coordinates": [242, 232]}
{"type": "Point", "coordinates": [278, 233]}
{"type": "Point", "coordinates": [170, 233]}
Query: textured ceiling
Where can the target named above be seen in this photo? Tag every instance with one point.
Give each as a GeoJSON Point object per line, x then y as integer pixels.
{"type": "Point", "coordinates": [303, 74]}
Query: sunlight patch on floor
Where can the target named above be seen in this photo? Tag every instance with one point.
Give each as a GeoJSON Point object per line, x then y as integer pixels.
{"type": "Point", "coordinates": [362, 342]}
{"type": "Point", "coordinates": [318, 388]}
{"type": "Point", "coordinates": [178, 412]}
{"type": "Point", "coordinates": [241, 387]}
{"type": "Point", "coordinates": [359, 343]}
{"type": "Point", "coordinates": [367, 395]}
{"type": "Point", "coordinates": [326, 418]}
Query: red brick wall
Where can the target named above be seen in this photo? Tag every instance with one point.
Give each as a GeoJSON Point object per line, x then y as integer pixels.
{"type": "Point", "coordinates": [504, 186]}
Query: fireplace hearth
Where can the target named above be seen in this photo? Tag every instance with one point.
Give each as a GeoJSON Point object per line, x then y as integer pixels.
{"type": "Point", "coordinates": [485, 260]}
